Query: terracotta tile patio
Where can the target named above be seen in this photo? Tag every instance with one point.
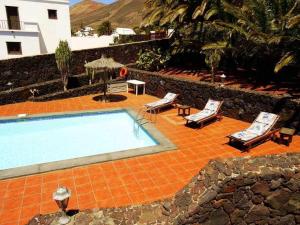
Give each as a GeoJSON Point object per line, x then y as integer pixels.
{"type": "Point", "coordinates": [130, 181]}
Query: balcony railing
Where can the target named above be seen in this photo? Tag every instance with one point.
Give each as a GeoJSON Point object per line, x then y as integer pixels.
{"type": "Point", "coordinates": [6, 25]}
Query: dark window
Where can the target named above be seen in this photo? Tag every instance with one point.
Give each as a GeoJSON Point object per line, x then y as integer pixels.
{"type": "Point", "coordinates": [14, 48]}
{"type": "Point", "coordinates": [52, 14]}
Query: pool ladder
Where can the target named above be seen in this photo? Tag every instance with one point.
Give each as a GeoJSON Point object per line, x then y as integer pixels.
{"type": "Point", "coordinates": [141, 119]}
{"type": "Point", "coordinates": [141, 116]}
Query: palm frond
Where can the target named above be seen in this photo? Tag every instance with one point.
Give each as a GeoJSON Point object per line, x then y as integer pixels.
{"type": "Point", "coordinates": [153, 17]}
{"type": "Point", "coordinates": [286, 60]}
{"type": "Point", "coordinates": [240, 15]}
{"type": "Point", "coordinates": [232, 27]}
{"type": "Point", "coordinates": [275, 40]}
{"type": "Point", "coordinates": [291, 11]}
{"type": "Point", "coordinates": [199, 11]}
{"type": "Point", "coordinates": [293, 22]}
{"type": "Point", "coordinates": [173, 14]}
{"type": "Point", "coordinates": [211, 12]}
{"type": "Point", "coordinates": [167, 18]}
{"type": "Point", "coordinates": [216, 45]}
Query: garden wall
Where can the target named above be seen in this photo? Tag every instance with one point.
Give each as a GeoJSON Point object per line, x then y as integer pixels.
{"type": "Point", "coordinates": [242, 191]}
{"type": "Point", "coordinates": [238, 103]}
{"type": "Point", "coordinates": [30, 70]}
{"type": "Point", "coordinates": [78, 85]}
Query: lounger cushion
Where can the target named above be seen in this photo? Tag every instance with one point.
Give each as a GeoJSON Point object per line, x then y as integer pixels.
{"type": "Point", "coordinates": [212, 105]}
{"type": "Point", "coordinates": [244, 135]}
{"type": "Point", "coordinates": [200, 115]}
{"type": "Point", "coordinates": [158, 103]}
{"type": "Point", "coordinates": [258, 128]}
{"type": "Point", "coordinates": [266, 118]}
{"type": "Point", "coordinates": [170, 96]}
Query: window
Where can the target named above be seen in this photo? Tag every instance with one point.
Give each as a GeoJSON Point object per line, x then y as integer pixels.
{"type": "Point", "coordinates": [52, 14]}
{"type": "Point", "coordinates": [14, 48]}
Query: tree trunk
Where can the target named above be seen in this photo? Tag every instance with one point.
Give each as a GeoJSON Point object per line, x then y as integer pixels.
{"type": "Point", "coordinates": [213, 74]}
{"type": "Point", "coordinates": [65, 81]}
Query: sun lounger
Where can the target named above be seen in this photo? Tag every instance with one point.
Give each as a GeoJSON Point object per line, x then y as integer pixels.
{"type": "Point", "coordinates": [210, 111]}
{"type": "Point", "coordinates": [168, 100]}
{"type": "Point", "coordinates": [262, 129]}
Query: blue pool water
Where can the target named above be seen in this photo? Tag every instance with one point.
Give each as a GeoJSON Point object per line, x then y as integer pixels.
{"type": "Point", "coordinates": [55, 138]}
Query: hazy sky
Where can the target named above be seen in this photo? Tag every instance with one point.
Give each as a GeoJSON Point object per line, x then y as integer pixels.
{"type": "Point", "coordinates": [103, 1]}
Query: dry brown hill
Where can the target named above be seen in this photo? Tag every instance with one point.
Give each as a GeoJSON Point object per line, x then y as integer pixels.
{"type": "Point", "coordinates": [78, 11]}
{"type": "Point", "coordinates": [122, 13]}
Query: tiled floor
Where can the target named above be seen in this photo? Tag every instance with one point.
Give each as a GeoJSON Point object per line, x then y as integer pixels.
{"type": "Point", "coordinates": [130, 181]}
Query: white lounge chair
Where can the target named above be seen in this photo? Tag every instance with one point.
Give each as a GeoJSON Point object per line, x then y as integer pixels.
{"type": "Point", "coordinates": [261, 129]}
{"type": "Point", "coordinates": [210, 111]}
{"type": "Point", "coordinates": [168, 100]}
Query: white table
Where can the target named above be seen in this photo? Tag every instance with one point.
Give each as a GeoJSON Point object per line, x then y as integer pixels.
{"type": "Point", "coordinates": [136, 84]}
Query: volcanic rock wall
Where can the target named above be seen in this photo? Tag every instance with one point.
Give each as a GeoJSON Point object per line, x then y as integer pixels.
{"type": "Point", "coordinates": [242, 191]}
{"type": "Point", "coordinates": [36, 69]}
{"type": "Point", "coordinates": [238, 103]}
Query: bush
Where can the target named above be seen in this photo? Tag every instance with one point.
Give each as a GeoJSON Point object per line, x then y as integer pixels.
{"type": "Point", "coordinates": [104, 28]}
{"type": "Point", "coordinates": [153, 60]}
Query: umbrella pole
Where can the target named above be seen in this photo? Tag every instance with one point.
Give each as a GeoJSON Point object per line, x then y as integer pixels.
{"type": "Point", "coordinates": [105, 86]}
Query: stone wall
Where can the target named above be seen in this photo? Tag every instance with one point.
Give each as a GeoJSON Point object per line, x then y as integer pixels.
{"type": "Point", "coordinates": [44, 88]}
{"type": "Point", "coordinates": [238, 103]}
{"type": "Point", "coordinates": [264, 190]}
{"type": "Point", "coordinates": [30, 70]}
{"type": "Point", "coordinates": [242, 191]}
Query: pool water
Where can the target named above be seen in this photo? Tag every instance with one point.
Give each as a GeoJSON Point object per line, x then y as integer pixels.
{"type": "Point", "coordinates": [55, 138]}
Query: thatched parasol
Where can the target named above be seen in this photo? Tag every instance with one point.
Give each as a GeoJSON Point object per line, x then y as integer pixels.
{"type": "Point", "coordinates": [105, 64]}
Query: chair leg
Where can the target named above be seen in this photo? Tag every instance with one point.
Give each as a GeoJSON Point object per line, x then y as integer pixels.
{"type": "Point", "coordinates": [248, 147]}
{"type": "Point", "coordinates": [220, 116]}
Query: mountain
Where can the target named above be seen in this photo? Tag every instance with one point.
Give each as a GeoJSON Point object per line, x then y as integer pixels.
{"type": "Point", "coordinates": [122, 13]}
{"type": "Point", "coordinates": [79, 10]}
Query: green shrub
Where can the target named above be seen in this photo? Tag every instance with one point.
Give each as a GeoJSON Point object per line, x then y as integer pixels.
{"type": "Point", "coordinates": [63, 55]}
{"type": "Point", "coordinates": [153, 60]}
{"type": "Point", "coordinates": [105, 28]}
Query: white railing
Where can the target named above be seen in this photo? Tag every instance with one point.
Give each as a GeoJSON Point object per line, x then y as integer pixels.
{"type": "Point", "coordinates": [6, 25]}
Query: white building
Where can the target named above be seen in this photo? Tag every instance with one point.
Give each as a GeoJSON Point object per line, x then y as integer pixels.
{"type": "Point", "coordinates": [86, 31]}
{"type": "Point", "coordinates": [32, 27]}
{"type": "Point", "coordinates": [88, 42]}
{"type": "Point", "coordinates": [82, 41]}
{"type": "Point", "coordinates": [124, 31]}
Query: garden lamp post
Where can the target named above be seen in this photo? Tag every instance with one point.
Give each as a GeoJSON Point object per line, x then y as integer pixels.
{"type": "Point", "coordinates": [10, 84]}
{"type": "Point", "coordinates": [61, 197]}
{"type": "Point", "coordinates": [223, 77]}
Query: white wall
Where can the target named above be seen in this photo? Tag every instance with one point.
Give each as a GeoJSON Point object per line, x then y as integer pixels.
{"type": "Point", "coordinates": [36, 11]}
{"type": "Point", "coordinates": [29, 43]}
{"type": "Point", "coordinates": [78, 43]}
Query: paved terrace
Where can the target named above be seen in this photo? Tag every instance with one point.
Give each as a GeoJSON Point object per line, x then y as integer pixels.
{"type": "Point", "coordinates": [130, 181]}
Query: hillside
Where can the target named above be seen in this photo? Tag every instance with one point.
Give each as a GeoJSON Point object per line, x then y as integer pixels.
{"type": "Point", "coordinates": [78, 11]}
{"type": "Point", "coordinates": [123, 13]}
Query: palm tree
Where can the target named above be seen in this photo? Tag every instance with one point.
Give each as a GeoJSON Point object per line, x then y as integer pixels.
{"type": "Point", "coordinates": [270, 29]}
{"type": "Point", "coordinates": [191, 20]}
{"type": "Point", "coordinates": [259, 30]}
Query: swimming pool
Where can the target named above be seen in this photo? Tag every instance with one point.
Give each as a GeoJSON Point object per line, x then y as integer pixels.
{"type": "Point", "coordinates": [33, 144]}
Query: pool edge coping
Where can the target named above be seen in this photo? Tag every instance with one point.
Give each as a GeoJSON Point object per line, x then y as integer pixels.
{"type": "Point", "coordinates": [164, 144]}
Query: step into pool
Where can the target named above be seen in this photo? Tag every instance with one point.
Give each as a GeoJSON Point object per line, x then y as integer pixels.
{"type": "Point", "coordinates": [32, 144]}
